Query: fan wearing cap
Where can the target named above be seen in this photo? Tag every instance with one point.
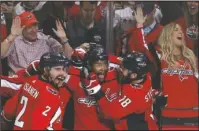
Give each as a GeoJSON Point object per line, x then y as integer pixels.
{"type": "Point", "coordinates": [26, 44]}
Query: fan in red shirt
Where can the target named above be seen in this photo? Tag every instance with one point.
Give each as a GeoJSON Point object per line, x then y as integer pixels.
{"type": "Point", "coordinates": [189, 24]}
{"type": "Point", "coordinates": [179, 73]}
{"type": "Point", "coordinates": [28, 107]}
{"type": "Point", "coordinates": [134, 102]}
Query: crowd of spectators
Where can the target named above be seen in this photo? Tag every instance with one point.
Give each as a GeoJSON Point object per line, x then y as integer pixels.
{"type": "Point", "coordinates": [31, 28]}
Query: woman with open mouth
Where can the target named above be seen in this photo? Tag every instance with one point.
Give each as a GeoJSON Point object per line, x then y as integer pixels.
{"type": "Point", "coordinates": [189, 24]}
{"type": "Point", "coordinates": [179, 78]}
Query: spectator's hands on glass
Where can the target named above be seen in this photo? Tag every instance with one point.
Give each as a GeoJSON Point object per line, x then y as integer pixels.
{"type": "Point", "coordinates": [16, 28]}
{"type": "Point", "coordinates": [60, 31]}
{"type": "Point", "coordinates": [140, 18]}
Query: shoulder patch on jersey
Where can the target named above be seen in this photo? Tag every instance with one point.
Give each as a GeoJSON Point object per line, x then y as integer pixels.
{"type": "Point", "coordinates": [52, 91]}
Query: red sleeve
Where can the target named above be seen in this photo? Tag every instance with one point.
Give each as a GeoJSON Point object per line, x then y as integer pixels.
{"type": "Point", "coordinates": [10, 108]}
{"type": "Point", "coordinates": [137, 41]}
{"type": "Point", "coordinates": [9, 86]}
{"type": "Point", "coordinates": [130, 101]}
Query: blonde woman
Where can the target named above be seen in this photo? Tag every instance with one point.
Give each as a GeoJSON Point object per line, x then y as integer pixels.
{"type": "Point", "coordinates": [179, 77]}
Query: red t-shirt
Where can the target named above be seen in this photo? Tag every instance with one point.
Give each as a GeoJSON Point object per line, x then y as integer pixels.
{"type": "Point", "coordinates": [181, 86]}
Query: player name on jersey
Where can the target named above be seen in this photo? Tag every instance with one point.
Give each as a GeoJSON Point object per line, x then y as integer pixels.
{"type": "Point", "coordinates": [32, 91]}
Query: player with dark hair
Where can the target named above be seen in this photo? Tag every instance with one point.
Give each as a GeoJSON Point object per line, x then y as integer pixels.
{"type": "Point", "coordinates": [134, 102]}
{"type": "Point", "coordinates": [37, 104]}
{"type": "Point", "coordinates": [86, 116]}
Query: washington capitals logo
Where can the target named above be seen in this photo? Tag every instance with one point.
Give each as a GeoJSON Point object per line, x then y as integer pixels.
{"type": "Point", "coordinates": [29, 17]}
{"type": "Point", "coordinates": [89, 101]}
{"type": "Point", "coordinates": [181, 72]}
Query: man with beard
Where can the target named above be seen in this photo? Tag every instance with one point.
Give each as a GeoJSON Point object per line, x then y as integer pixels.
{"type": "Point", "coordinates": [134, 102]}
{"type": "Point", "coordinates": [37, 104]}
{"type": "Point", "coordinates": [86, 115]}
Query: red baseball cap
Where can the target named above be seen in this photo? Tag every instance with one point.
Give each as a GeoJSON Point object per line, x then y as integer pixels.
{"type": "Point", "coordinates": [28, 19]}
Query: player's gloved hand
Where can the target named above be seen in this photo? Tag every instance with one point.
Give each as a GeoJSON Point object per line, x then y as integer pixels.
{"type": "Point", "coordinates": [92, 86]}
{"type": "Point", "coordinates": [77, 57]}
{"type": "Point", "coordinates": [33, 68]}
{"type": "Point", "coordinates": [160, 99]}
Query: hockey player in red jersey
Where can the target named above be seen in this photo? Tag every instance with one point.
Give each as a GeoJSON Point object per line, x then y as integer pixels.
{"type": "Point", "coordinates": [142, 38]}
{"type": "Point", "coordinates": [28, 108]}
{"type": "Point", "coordinates": [86, 114]}
{"type": "Point", "coordinates": [83, 102]}
{"type": "Point", "coordinates": [134, 102]}
{"type": "Point", "coordinates": [11, 84]}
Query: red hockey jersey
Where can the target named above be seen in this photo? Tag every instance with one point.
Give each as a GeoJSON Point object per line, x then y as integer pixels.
{"type": "Point", "coordinates": [86, 113]}
{"type": "Point", "coordinates": [30, 107]}
{"type": "Point", "coordinates": [10, 86]}
{"type": "Point", "coordinates": [133, 99]}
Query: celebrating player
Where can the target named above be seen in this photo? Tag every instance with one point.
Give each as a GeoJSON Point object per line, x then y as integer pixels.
{"type": "Point", "coordinates": [85, 105]}
{"type": "Point", "coordinates": [37, 103]}
{"type": "Point", "coordinates": [135, 101]}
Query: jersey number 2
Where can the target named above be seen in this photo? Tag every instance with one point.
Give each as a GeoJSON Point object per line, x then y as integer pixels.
{"type": "Point", "coordinates": [24, 101]}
